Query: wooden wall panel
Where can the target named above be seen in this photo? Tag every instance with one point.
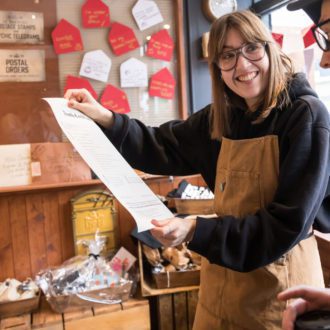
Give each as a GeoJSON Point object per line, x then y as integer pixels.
{"type": "Point", "coordinates": [6, 251]}
{"type": "Point", "coordinates": [19, 237]}
{"type": "Point", "coordinates": [36, 232]}
{"type": "Point", "coordinates": [52, 229]}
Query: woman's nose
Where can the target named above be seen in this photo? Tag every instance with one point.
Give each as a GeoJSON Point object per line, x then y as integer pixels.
{"type": "Point", "coordinates": [241, 61]}
{"type": "Point", "coordinates": [325, 60]}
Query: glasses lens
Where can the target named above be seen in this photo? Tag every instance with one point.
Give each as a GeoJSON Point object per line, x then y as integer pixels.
{"type": "Point", "coordinates": [251, 51]}
{"type": "Point", "coordinates": [322, 39]}
{"type": "Point", "coordinates": [254, 51]}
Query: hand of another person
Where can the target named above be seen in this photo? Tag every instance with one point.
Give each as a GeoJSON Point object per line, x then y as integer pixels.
{"type": "Point", "coordinates": [174, 231]}
{"type": "Point", "coordinates": [309, 299]}
{"type": "Point", "coordinates": [82, 100]}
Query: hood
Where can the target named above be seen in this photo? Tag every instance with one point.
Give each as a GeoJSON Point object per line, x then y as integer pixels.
{"type": "Point", "coordinates": [311, 7]}
{"type": "Point", "coordinates": [299, 86]}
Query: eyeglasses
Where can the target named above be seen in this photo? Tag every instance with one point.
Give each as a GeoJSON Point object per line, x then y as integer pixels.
{"type": "Point", "coordinates": [322, 37]}
{"type": "Point", "coordinates": [252, 51]}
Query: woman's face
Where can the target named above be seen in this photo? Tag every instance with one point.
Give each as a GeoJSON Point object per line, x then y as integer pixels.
{"type": "Point", "coordinates": [248, 79]}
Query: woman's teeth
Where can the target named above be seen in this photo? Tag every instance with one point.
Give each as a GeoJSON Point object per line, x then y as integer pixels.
{"type": "Point", "coordinates": [247, 77]}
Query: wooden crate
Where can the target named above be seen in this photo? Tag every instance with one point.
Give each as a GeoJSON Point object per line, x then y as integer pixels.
{"type": "Point", "coordinates": [194, 206]}
{"type": "Point", "coordinates": [176, 279]}
{"type": "Point", "coordinates": [18, 307]}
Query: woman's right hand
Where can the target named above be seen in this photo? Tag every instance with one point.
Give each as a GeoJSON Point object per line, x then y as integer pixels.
{"type": "Point", "coordinates": [82, 100]}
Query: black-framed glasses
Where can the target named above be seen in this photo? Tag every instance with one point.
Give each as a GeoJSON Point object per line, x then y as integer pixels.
{"type": "Point", "coordinates": [252, 51]}
{"type": "Point", "coordinates": [322, 37]}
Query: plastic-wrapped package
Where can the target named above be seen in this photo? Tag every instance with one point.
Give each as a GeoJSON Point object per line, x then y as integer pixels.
{"type": "Point", "coordinates": [84, 281]}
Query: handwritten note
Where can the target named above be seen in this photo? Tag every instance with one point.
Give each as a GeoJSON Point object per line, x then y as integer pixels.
{"type": "Point", "coordinates": [133, 73]}
{"type": "Point", "coordinates": [15, 165]}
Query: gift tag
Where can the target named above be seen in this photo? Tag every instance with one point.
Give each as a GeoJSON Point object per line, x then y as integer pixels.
{"type": "Point", "coordinates": [66, 38]}
{"type": "Point", "coordinates": [161, 46]}
{"type": "Point", "coordinates": [162, 84]}
{"type": "Point", "coordinates": [122, 261]}
{"type": "Point", "coordinates": [115, 99]}
{"type": "Point", "coordinates": [146, 14]}
{"type": "Point", "coordinates": [95, 14]}
{"type": "Point", "coordinates": [122, 39]}
{"type": "Point", "coordinates": [78, 83]}
{"type": "Point", "coordinates": [278, 37]}
{"type": "Point", "coordinates": [133, 73]}
{"type": "Point", "coordinates": [96, 65]}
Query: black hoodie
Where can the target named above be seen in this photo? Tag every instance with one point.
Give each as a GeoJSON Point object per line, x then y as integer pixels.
{"type": "Point", "coordinates": [185, 147]}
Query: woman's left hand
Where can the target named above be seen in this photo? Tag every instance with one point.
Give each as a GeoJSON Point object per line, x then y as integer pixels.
{"type": "Point", "coordinates": [174, 231]}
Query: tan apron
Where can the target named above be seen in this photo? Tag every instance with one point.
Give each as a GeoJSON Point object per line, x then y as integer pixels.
{"type": "Point", "coordinates": [246, 180]}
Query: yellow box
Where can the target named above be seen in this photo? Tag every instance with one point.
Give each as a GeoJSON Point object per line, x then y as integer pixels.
{"type": "Point", "coordinates": [94, 211]}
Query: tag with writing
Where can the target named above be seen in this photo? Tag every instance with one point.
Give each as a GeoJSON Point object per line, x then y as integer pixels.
{"type": "Point", "coordinates": [95, 14]}
{"type": "Point", "coordinates": [77, 83]}
{"type": "Point", "coordinates": [133, 73]}
{"type": "Point", "coordinates": [162, 84]}
{"type": "Point", "coordinates": [161, 46]}
{"type": "Point", "coordinates": [146, 14]}
{"type": "Point", "coordinates": [122, 261]}
{"type": "Point", "coordinates": [115, 99]}
{"type": "Point", "coordinates": [66, 38]}
{"type": "Point", "coordinates": [122, 39]}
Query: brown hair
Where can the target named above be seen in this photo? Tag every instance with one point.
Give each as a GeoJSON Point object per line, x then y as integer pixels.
{"type": "Point", "coordinates": [252, 29]}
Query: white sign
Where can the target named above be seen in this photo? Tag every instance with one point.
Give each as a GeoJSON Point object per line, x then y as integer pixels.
{"type": "Point", "coordinates": [108, 164]}
{"type": "Point", "coordinates": [21, 27]}
{"type": "Point", "coordinates": [146, 14]}
{"type": "Point", "coordinates": [96, 65]}
{"type": "Point", "coordinates": [22, 65]}
{"type": "Point", "coordinates": [15, 165]}
{"type": "Point", "coordinates": [133, 73]}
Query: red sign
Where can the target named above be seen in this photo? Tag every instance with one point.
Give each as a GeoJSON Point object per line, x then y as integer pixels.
{"type": "Point", "coordinates": [77, 83]}
{"type": "Point", "coordinates": [161, 46]}
{"type": "Point", "coordinates": [115, 99]}
{"type": "Point", "coordinates": [278, 37]}
{"type": "Point", "coordinates": [308, 36]}
{"type": "Point", "coordinates": [66, 38]}
{"type": "Point", "coordinates": [95, 14]}
{"type": "Point", "coordinates": [122, 39]}
{"type": "Point", "coordinates": [162, 84]}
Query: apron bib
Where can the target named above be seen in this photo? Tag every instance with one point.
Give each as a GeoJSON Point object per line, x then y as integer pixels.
{"type": "Point", "coordinates": [246, 180]}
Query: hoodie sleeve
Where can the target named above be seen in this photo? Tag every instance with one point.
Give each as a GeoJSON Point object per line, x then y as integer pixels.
{"type": "Point", "coordinates": [259, 239]}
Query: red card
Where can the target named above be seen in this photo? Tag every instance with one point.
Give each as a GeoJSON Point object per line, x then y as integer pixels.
{"type": "Point", "coordinates": [66, 38]}
{"type": "Point", "coordinates": [122, 39]}
{"type": "Point", "coordinates": [77, 83]}
{"type": "Point", "coordinates": [308, 36]}
{"type": "Point", "coordinates": [162, 84]}
{"type": "Point", "coordinates": [95, 14]}
{"type": "Point", "coordinates": [278, 37]}
{"type": "Point", "coordinates": [161, 46]}
{"type": "Point", "coordinates": [115, 99]}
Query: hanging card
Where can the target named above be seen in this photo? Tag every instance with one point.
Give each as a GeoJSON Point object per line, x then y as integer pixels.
{"type": "Point", "coordinates": [308, 36]}
{"type": "Point", "coordinates": [66, 38]}
{"type": "Point", "coordinates": [161, 46]}
{"type": "Point", "coordinates": [122, 39]}
{"type": "Point", "coordinates": [133, 73]}
{"type": "Point", "coordinates": [146, 14]}
{"type": "Point", "coordinates": [96, 65]}
{"type": "Point", "coordinates": [95, 14]}
{"type": "Point", "coordinates": [278, 37]}
{"type": "Point", "coordinates": [162, 84]}
{"type": "Point", "coordinates": [115, 99]}
{"type": "Point", "coordinates": [77, 83]}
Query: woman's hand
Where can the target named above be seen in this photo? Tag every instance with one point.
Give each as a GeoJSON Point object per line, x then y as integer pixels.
{"type": "Point", "coordinates": [309, 299]}
{"type": "Point", "coordinates": [174, 231]}
{"type": "Point", "coordinates": [82, 100]}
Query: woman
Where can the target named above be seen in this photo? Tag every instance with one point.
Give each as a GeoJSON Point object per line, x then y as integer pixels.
{"type": "Point", "coordinates": [263, 148]}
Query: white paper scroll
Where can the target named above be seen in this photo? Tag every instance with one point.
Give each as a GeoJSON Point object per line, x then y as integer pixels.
{"type": "Point", "coordinates": [107, 163]}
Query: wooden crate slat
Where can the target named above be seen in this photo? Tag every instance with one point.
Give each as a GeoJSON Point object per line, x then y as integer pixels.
{"type": "Point", "coordinates": [6, 252]}
{"type": "Point", "coordinates": [77, 314]}
{"type": "Point", "coordinates": [180, 311]}
{"type": "Point", "coordinates": [16, 322]}
{"type": "Point", "coordinates": [165, 312]}
{"type": "Point", "coordinates": [45, 316]}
